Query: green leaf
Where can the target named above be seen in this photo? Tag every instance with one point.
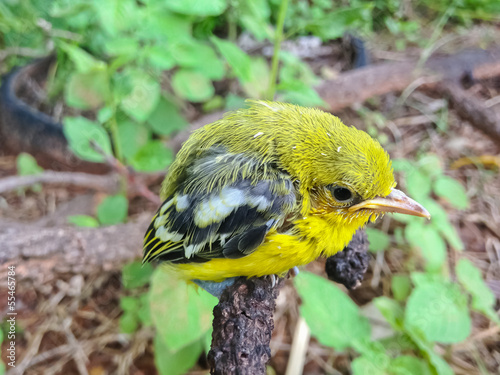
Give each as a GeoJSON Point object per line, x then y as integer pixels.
{"type": "Point", "coordinates": [84, 62]}
{"type": "Point", "coordinates": [378, 240]}
{"type": "Point", "coordinates": [169, 362]}
{"type": "Point", "coordinates": [483, 300]}
{"type": "Point", "coordinates": [408, 365]}
{"type": "Point", "coordinates": [331, 315]}
{"type": "Point", "coordinates": [182, 313]}
{"type": "Point", "coordinates": [237, 59]}
{"type": "Point", "coordinates": [112, 210]}
{"type": "Point", "coordinates": [431, 165]}
{"type": "Point", "coordinates": [403, 165]}
{"type": "Point", "coordinates": [254, 17]}
{"type": "Point", "coordinates": [132, 137]}
{"type": "Point", "coordinates": [116, 16]}
{"type": "Point", "coordinates": [160, 57]}
{"type": "Point", "coordinates": [136, 274]}
{"type": "Point", "coordinates": [190, 53]}
{"type": "Point", "coordinates": [166, 118]}
{"type": "Point", "coordinates": [87, 90]}
{"type": "Point", "coordinates": [128, 322]}
{"type": "Point", "coordinates": [366, 365]}
{"type": "Point", "coordinates": [143, 98]}
{"type": "Point", "coordinates": [418, 185]}
{"type": "Point", "coordinates": [82, 134]}
{"type": "Point", "coordinates": [258, 84]}
{"type": "Point", "coordinates": [401, 287]}
{"type": "Point", "coordinates": [439, 364]}
{"type": "Point", "coordinates": [121, 46]}
{"type": "Point", "coordinates": [452, 191]}
{"type": "Point", "coordinates": [439, 311]}
{"type": "Point", "coordinates": [391, 310]}
{"type": "Point", "coordinates": [27, 165]}
{"type": "Point", "coordinates": [192, 85]}
{"type": "Point", "coordinates": [197, 7]}
{"type": "Point", "coordinates": [441, 222]}
{"type": "Point", "coordinates": [83, 221]}
{"type": "Point", "coordinates": [429, 242]}
{"type": "Point", "coordinates": [144, 312]}
{"type": "Point", "coordinates": [300, 93]}
{"type": "Point", "coordinates": [130, 304]}
{"type": "Point", "coordinates": [153, 156]}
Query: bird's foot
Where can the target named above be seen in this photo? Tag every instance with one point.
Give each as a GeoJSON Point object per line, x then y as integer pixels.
{"type": "Point", "coordinates": [273, 278]}
{"type": "Point", "coordinates": [215, 288]}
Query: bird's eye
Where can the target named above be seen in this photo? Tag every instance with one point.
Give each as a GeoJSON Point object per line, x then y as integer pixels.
{"type": "Point", "coordinates": [342, 194]}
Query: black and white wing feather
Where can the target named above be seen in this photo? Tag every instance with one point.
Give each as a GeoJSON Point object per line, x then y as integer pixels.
{"type": "Point", "coordinates": [223, 208]}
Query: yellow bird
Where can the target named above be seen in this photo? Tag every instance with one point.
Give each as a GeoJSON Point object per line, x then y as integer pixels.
{"type": "Point", "coordinates": [269, 188]}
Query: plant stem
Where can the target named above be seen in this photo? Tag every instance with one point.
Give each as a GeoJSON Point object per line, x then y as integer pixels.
{"type": "Point", "coordinates": [113, 127]}
{"type": "Point", "coordinates": [277, 44]}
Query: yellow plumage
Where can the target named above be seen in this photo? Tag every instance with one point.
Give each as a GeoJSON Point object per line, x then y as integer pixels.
{"type": "Point", "coordinates": [268, 188]}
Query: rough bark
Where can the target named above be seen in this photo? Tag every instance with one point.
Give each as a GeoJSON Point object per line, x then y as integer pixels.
{"type": "Point", "coordinates": [243, 325]}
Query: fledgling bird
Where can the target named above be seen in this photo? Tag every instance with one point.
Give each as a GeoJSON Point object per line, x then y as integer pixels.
{"type": "Point", "coordinates": [269, 188]}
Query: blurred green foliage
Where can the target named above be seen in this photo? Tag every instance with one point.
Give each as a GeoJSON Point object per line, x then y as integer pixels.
{"type": "Point", "coordinates": [138, 65]}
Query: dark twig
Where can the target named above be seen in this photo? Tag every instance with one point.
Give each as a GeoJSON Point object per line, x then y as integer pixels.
{"type": "Point", "coordinates": [243, 324]}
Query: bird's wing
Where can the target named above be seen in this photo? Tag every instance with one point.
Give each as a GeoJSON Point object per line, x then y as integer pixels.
{"type": "Point", "coordinates": [223, 208]}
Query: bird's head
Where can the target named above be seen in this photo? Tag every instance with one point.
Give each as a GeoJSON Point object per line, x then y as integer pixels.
{"type": "Point", "coordinates": [342, 172]}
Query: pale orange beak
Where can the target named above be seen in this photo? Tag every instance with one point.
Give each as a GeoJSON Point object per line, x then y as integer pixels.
{"type": "Point", "coordinates": [396, 201]}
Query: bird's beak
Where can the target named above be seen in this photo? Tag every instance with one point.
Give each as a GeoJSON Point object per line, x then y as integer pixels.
{"type": "Point", "coordinates": [396, 201]}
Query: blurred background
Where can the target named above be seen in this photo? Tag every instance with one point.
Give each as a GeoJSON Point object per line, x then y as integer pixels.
{"type": "Point", "coordinates": [97, 97]}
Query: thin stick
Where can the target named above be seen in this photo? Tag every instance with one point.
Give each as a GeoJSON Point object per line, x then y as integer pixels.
{"type": "Point", "coordinates": [277, 44]}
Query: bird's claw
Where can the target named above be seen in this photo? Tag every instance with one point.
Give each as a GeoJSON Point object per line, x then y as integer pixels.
{"type": "Point", "coordinates": [274, 279]}
{"type": "Point", "coordinates": [293, 272]}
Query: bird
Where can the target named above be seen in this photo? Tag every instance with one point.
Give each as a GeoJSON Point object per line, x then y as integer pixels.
{"type": "Point", "coordinates": [266, 189]}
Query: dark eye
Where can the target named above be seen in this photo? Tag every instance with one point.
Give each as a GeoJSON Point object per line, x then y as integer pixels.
{"type": "Point", "coordinates": [342, 194]}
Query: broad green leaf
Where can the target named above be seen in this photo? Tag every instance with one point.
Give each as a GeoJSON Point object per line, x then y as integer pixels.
{"type": "Point", "coordinates": [237, 59]}
{"type": "Point", "coordinates": [144, 312]}
{"type": "Point", "coordinates": [391, 310]}
{"type": "Point", "coordinates": [131, 136]}
{"type": "Point", "coordinates": [192, 85]}
{"type": "Point", "coordinates": [378, 240]}
{"type": "Point", "coordinates": [403, 165]}
{"type": "Point", "coordinates": [169, 362]}
{"type": "Point", "coordinates": [440, 221]}
{"type": "Point", "coordinates": [163, 24]}
{"type": "Point", "coordinates": [182, 312]}
{"type": "Point", "coordinates": [153, 156]}
{"type": "Point", "coordinates": [418, 185]}
{"type": "Point", "coordinates": [143, 98]}
{"type": "Point", "coordinates": [299, 93]}
{"type": "Point", "coordinates": [366, 365]}
{"type": "Point", "coordinates": [87, 90]}
{"type": "Point", "coordinates": [116, 16]}
{"type": "Point", "coordinates": [129, 322]}
{"type": "Point", "coordinates": [27, 165]}
{"type": "Point", "coordinates": [83, 134]}
{"type": "Point", "coordinates": [483, 300]}
{"type": "Point", "coordinates": [408, 365]}
{"type": "Point", "coordinates": [166, 118]}
{"type": "Point", "coordinates": [429, 242]}
{"type": "Point", "coordinates": [438, 310]}
{"type": "Point", "coordinates": [452, 191]}
{"type": "Point", "coordinates": [112, 210]}
{"type": "Point", "coordinates": [431, 165]}
{"type": "Point", "coordinates": [83, 221]}
{"type": "Point", "coordinates": [331, 315]}
{"type": "Point", "coordinates": [84, 62]}
{"type": "Point", "coordinates": [254, 17]}
{"type": "Point", "coordinates": [190, 53]}
{"type": "Point", "coordinates": [439, 364]}
{"type": "Point", "coordinates": [197, 7]}
{"type": "Point", "coordinates": [121, 46]}
{"type": "Point", "coordinates": [128, 303]}
{"type": "Point", "coordinates": [160, 57]}
{"type": "Point", "coordinates": [258, 84]}
{"type": "Point", "coordinates": [401, 287]}
{"type": "Point", "coordinates": [136, 274]}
